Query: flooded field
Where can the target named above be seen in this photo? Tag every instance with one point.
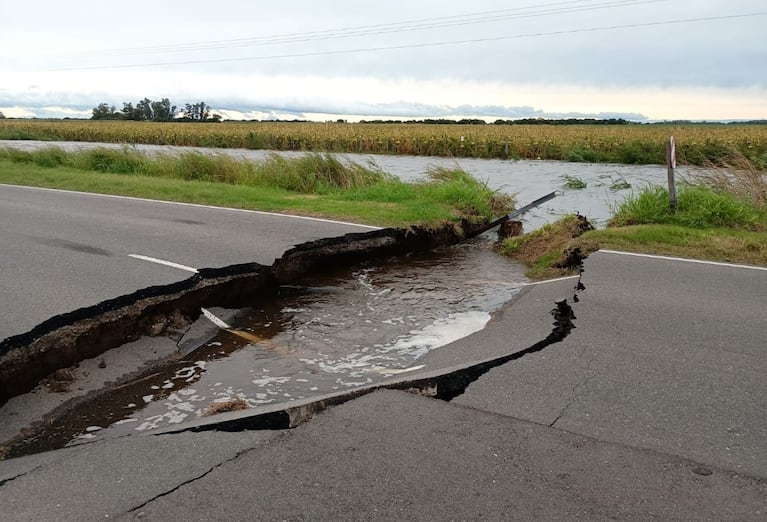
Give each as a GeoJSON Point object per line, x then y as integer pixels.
{"type": "Point", "coordinates": [605, 184]}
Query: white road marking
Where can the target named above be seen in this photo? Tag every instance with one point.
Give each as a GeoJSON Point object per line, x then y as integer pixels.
{"type": "Point", "coordinates": [684, 260]}
{"type": "Point", "coordinates": [163, 262]}
{"type": "Point", "coordinates": [534, 283]}
{"type": "Point", "coordinates": [214, 319]}
{"type": "Point", "coordinates": [197, 205]}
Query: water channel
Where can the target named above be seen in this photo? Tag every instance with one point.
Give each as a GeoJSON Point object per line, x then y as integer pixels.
{"type": "Point", "coordinates": [332, 332]}
{"type": "Point", "coordinates": [606, 183]}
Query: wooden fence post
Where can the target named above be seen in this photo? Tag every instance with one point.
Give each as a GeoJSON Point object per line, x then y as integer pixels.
{"type": "Point", "coordinates": [671, 164]}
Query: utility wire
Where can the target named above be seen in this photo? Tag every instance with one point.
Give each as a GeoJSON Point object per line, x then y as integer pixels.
{"type": "Point", "coordinates": [415, 45]}
{"type": "Point", "coordinates": [378, 29]}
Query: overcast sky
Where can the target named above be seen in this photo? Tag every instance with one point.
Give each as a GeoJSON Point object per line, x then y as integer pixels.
{"type": "Point", "coordinates": [639, 59]}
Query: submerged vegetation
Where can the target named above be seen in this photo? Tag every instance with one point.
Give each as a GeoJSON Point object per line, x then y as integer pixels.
{"type": "Point", "coordinates": [316, 184]}
{"type": "Point", "coordinates": [632, 144]}
{"type": "Point", "coordinates": [574, 182]}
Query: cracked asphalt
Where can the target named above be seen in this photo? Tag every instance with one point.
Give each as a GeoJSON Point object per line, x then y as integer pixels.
{"type": "Point", "coordinates": [67, 250]}
{"type": "Point", "coordinates": [652, 408]}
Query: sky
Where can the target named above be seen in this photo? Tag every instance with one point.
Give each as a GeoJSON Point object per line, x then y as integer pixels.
{"type": "Point", "coordinates": [643, 60]}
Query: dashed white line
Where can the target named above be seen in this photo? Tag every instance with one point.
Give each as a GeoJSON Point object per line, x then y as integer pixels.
{"type": "Point", "coordinates": [684, 260]}
{"type": "Point", "coordinates": [163, 262]}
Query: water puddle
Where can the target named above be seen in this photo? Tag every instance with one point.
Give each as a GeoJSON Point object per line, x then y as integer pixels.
{"type": "Point", "coordinates": [348, 328]}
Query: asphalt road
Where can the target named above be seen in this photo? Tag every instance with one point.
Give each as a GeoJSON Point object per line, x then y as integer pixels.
{"type": "Point", "coordinates": [667, 355]}
{"type": "Point", "coordinates": [651, 409]}
{"type": "Point", "coordinates": [65, 250]}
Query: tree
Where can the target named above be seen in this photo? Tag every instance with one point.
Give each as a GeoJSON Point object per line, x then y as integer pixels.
{"type": "Point", "coordinates": [129, 112]}
{"type": "Point", "coordinates": [199, 112]}
{"type": "Point", "coordinates": [2, 116]}
{"type": "Point", "coordinates": [104, 111]}
{"type": "Point", "coordinates": [144, 110]}
{"type": "Point", "coordinates": [163, 111]}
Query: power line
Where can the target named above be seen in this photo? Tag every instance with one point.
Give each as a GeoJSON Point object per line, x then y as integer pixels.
{"type": "Point", "coordinates": [389, 28]}
{"type": "Point", "coordinates": [415, 45]}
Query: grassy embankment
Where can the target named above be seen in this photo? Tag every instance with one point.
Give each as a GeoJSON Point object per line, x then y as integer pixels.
{"type": "Point", "coordinates": [721, 217]}
{"type": "Point", "coordinates": [697, 144]}
{"type": "Point", "coordinates": [316, 185]}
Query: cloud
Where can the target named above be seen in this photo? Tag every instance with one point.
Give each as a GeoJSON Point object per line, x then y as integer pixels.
{"type": "Point", "coordinates": [548, 65]}
{"type": "Point", "coordinates": [408, 110]}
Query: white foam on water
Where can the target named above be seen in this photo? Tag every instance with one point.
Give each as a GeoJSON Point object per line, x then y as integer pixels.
{"type": "Point", "coordinates": [268, 381]}
{"type": "Point", "coordinates": [408, 348]}
{"type": "Point", "coordinates": [440, 333]}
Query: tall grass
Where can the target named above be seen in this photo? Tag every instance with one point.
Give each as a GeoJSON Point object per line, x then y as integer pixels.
{"type": "Point", "coordinates": [699, 206]}
{"type": "Point", "coordinates": [738, 176]}
{"type": "Point", "coordinates": [316, 173]}
{"type": "Point", "coordinates": [465, 192]}
{"type": "Point", "coordinates": [313, 173]}
{"type": "Point", "coordinates": [445, 192]}
{"type": "Point", "coordinates": [730, 196]}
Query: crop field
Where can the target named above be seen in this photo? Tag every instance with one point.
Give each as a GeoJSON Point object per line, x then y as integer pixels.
{"type": "Point", "coordinates": [633, 144]}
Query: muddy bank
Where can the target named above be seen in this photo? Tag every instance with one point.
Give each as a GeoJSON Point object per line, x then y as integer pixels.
{"type": "Point", "coordinates": [65, 340]}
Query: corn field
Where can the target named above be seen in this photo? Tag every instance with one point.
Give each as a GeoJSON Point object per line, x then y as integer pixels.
{"type": "Point", "coordinates": [641, 144]}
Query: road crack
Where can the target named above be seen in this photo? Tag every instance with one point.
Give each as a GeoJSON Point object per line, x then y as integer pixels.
{"type": "Point", "coordinates": [574, 393]}
{"type": "Point", "coordinates": [11, 479]}
{"type": "Point", "coordinates": [189, 481]}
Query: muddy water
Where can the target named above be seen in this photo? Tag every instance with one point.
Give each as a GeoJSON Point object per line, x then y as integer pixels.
{"type": "Point", "coordinates": [345, 329]}
{"type": "Point", "coordinates": [606, 184]}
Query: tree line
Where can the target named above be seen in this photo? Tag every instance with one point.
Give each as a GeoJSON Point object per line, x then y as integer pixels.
{"type": "Point", "coordinates": [522, 121]}
{"type": "Point", "coordinates": [150, 110]}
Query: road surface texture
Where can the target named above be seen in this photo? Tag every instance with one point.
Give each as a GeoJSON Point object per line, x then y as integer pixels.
{"type": "Point", "coordinates": [651, 409]}
{"type": "Point", "coordinates": [66, 250]}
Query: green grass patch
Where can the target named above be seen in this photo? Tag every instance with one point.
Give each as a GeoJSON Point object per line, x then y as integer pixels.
{"type": "Point", "coordinates": [699, 206]}
{"type": "Point", "coordinates": [317, 185]}
{"type": "Point", "coordinates": [11, 133]}
{"type": "Point", "coordinates": [574, 182]}
{"type": "Point", "coordinates": [714, 244]}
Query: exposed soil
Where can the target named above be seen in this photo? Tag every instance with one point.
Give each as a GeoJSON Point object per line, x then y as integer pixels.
{"type": "Point", "coordinates": [551, 250]}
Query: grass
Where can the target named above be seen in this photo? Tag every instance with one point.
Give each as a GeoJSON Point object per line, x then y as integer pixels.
{"type": "Point", "coordinates": [614, 184]}
{"type": "Point", "coordinates": [713, 244]}
{"type": "Point", "coordinates": [313, 173]}
{"type": "Point", "coordinates": [574, 182]}
{"type": "Point", "coordinates": [317, 185]}
{"type": "Point", "coordinates": [546, 251]}
{"type": "Point", "coordinates": [720, 217]}
{"type": "Point", "coordinates": [620, 184]}
{"type": "Point", "coordinates": [699, 206]}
